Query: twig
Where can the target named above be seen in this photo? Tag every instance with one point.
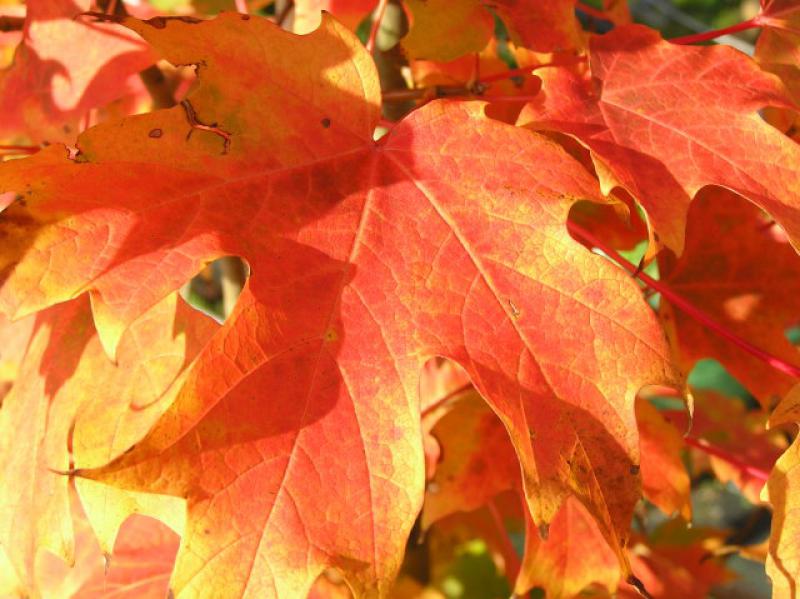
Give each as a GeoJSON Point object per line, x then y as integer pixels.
{"type": "Point", "coordinates": [232, 278]}
{"type": "Point", "coordinates": [285, 11]}
{"type": "Point", "coordinates": [691, 310]}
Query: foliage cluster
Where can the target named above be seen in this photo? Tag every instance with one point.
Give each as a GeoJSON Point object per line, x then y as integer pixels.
{"type": "Point", "coordinates": [457, 260]}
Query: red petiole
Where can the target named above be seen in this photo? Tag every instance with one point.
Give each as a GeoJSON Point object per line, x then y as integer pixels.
{"type": "Point", "coordinates": [723, 455]}
{"type": "Point", "coordinates": [681, 303]}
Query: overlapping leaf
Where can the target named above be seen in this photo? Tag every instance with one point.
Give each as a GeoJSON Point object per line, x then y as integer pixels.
{"type": "Point", "coordinates": [72, 404]}
{"type": "Point", "coordinates": [644, 115]}
{"type": "Point", "coordinates": [728, 426]}
{"type": "Point", "coordinates": [478, 460]}
{"type": "Point", "coordinates": [664, 477]}
{"type": "Point", "coordinates": [574, 557]}
{"type": "Point", "coordinates": [783, 562]}
{"type": "Point", "coordinates": [447, 238]}
{"type": "Point", "coordinates": [64, 67]}
{"type": "Point", "coordinates": [138, 567]}
{"type": "Point", "coordinates": [307, 13]}
{"type": "Point", "coordinates": [742, 272]}
{"type": "Point", "coordinates": [446, 30]}
{"type": "Point", "coordinates": [676, 561]}
{"type": "Point", "coordinates": [541, 26]}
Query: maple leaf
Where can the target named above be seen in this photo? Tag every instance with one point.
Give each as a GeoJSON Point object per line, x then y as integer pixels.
{"type": "Point", "coordinates": [574, 557]}
{"type": "Point", "coordinates": [781, 490]}
{"type": "Point", "coordinates": [471, 551]}
{"type": "Point", "coordinates": [445, 30]}
{"type": "Point", "coordinates": [478, 460]}
{"type": "Point", "coordinates": [15, 336]}
{"type": "Point", "coordinates": [70, 394]}
{"type": "Point", "coordinates": [308, 13]}
{"type": "Point", "coordinates": [742, 272]}
{"type": "Point", "coordinates": [541, 26]}
{"type": "Point", "coordinates": [677, 561]}
{"type": "Point", "coordinates": [617, 11]}
{"type": "Point", "coordinates": [54, 82]}
{"type": "Point", "coordinates": [488, 73]}
{"type": "Point", "coordinates": [616, 224]}
{"type": "Point", "coordinates": [448, 29]}
{"type": "Point", "coordinates": [665, 481]}
{"type": "Point", "coordinates": [778, 51]}
{"type": "Point", "coordinates": [138, 567]}
{"type": "Point", "coordinates": [447, 238]}
{"type": "Point", "coordinates": [727, 425]}
{"type": "Point", "coordinates": [780, 35]}
{"type": "Point", "coordinates": [661, 119]}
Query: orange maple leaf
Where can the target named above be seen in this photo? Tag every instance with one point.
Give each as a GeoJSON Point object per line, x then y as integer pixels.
{"type": "Point", "coordinates": [738, 268]}
{"type": "Point", "coordinates": [64, 67]}
{"type": "Point", "coordinates": [71, 402]}
{"type": "Point", "coordinates": [295, 438]}
{"type": "Point", "coordinates": [644, 115]}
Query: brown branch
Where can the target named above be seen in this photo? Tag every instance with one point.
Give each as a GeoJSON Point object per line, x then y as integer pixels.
{"type": "Point", "coordinates": [284, 14]}
{"type": "Point", "coordinates": [435, 91]}
{"type": "Point", "coordinates": [475, 89]}
{"type": "Point", "coordinates": [233, 274]}
{"type": "Point", "coordinates": [9, 23]}
{"type": "Point", "coordinates": [158, 87]}
{"type": "Point", "coordinates": [153, 78]}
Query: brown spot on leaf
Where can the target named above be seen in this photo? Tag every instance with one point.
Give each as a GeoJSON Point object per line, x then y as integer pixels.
{"type": "Point", "coordinates": [156, 133]}
{"type": "Point", "coordinates": [639, 586]}
{"type": "Point", "coordinates": [634, 469]}
{"type": "Point", "coordinates": [245, 17]}
{"type": "Point", "coordinates": [326, 122]}
{"type": "Point", "coordinates": [161, 22]}
{"type": "Point", "coordinates": [544, 530]}
{"type": "Point", "coordinates": [195, 123]}
{"type": "Point", "coordinates": [157, 22]}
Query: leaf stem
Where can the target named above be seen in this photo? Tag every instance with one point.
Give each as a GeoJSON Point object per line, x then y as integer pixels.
{"type": "Point", "coordinates": [591, 11]}
{"type": "Point", "coordinates": [474, 90]}
{"type": "Point", "coordinates": [447, 397]}
{"type": "Point", "coordinates": [690, 310]}
{"type": "Point", "coordinates": [513, 564]}
{"type": "Point", "coordinates": [715, 33]}
{"type": "Point", "coordinates": [10, 150]}
{"type": "Point", "coordinates": [723, 455]}
{"type": "Point", "coordinates": [376, 24]}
